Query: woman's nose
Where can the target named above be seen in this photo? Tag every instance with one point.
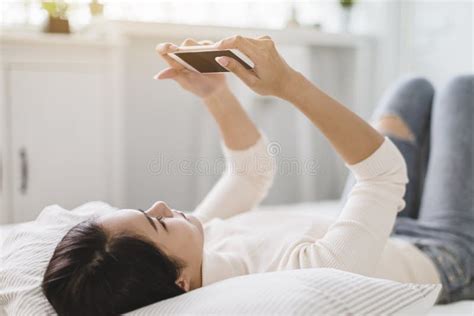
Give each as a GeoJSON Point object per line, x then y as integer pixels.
{"type": "Point", "coordinates": [161, 208]}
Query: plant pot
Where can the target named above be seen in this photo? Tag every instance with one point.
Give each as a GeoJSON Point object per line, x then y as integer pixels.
{"type": "Point", "coordinates": [57, 25]}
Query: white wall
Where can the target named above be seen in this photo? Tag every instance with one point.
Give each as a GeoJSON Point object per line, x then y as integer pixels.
{"type": "Point", "coordinates": [420, 37]}
{"type": "Point", "coordinates": [437, 40]}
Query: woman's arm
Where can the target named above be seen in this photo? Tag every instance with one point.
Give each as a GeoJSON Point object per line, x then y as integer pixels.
{"type": "Point", "coordinates": [249, 168]}
{"type": "Point", "coordinates": [356, 240]}
{"type": "Point", "coordinates": [352, 137]}
{"type": "Point", "coordinates": [235, 126]}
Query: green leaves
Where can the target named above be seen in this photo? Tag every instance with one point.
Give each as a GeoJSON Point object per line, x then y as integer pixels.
{"type": "Point", "coordinates": [347, 3]}
{"type": "Point", "coordinates": [56, 9]}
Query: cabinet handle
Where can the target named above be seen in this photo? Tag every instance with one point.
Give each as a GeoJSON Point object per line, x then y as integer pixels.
{"type": "Point", "coordinates": [1, 173]}
{"type": "Point", "coordinates": [23, 171]}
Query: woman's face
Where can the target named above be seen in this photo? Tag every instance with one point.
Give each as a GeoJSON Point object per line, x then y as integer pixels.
{"type": "Point", "coordinates": [177, 234]}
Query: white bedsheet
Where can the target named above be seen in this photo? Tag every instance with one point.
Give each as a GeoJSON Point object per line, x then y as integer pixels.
{"type": "Point", "coordinates": [330, 209]}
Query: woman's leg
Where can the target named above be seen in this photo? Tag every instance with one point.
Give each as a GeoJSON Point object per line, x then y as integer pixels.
{"type": "Point", "coordinates": [449, 188]}
{"type": "Point", "coordinates": [445, 229]}
{"type": "Point", "coordinates": [403, 114]}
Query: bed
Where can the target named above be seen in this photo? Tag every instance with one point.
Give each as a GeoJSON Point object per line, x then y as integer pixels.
{"type": "Point", "coordinates": [328, 208]}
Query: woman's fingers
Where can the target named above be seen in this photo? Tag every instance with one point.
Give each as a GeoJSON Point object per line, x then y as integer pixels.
{"type": "Point", "coordinates": [193, 42]}
{"type": "Point", "coordinates": [246, 46]}
{"type": "Point", "coordinates": [189, 42]}
{"type": "Point", "coordinates": [247, 76]}
{"type": "Point", "coordinates": [241, 43]}
{"type": "Point", "coordinates": [163, 49]}
{"type": "Point", "coordinates": [168, 73]}
{"type": "Point", "coordinates": [269, 75]}
{"type": "Point", "coordinates": [206, 42]}
{"type": "Point", "coordinates": [173, 73]}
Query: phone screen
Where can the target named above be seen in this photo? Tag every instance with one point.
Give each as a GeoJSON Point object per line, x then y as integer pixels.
{"type": "Point", "coordinates": [205, 61]}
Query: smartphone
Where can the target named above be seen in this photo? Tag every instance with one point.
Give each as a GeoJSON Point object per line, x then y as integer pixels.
{"type": "Point", "coordinates": [202, 58]}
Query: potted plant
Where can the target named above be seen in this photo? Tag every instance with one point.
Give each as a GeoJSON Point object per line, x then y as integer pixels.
{"type": "Point", "coordinates": [57, 16]}
{"type": "Point", "coordinates": [346, 13]}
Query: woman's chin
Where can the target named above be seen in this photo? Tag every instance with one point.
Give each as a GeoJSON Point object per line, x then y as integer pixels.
{"type": "Point", "coordinates": [196, 222]}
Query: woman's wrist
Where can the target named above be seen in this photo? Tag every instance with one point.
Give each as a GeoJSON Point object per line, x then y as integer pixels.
{"type": "Point", "coordinates": [218, 96]}
{"type": "Point", "coordinates": [295, 88]}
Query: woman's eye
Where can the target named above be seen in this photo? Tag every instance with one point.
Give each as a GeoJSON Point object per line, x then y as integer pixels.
{"type": "Point", "coordinates": [162, 222]}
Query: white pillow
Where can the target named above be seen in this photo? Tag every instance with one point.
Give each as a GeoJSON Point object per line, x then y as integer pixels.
{"type": "Point", "coordinates": [300, 292]}
{"type": "Point", "coordinates": [25, 254]}
{"type": "Point", "coordinates": [27, 250]}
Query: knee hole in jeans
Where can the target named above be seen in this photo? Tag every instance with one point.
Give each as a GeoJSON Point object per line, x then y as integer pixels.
{"type": "Point", "coordinates": [395, 126]}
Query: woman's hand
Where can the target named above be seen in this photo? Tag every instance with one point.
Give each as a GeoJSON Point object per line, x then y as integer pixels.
{"type": "Point", "coordinates": [271, 73]}
{"type": "Point", "coordinates": [199, 84]}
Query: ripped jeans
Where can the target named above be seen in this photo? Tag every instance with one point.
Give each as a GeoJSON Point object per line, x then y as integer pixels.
{"type": "Point", "coordinates": [439, 217]}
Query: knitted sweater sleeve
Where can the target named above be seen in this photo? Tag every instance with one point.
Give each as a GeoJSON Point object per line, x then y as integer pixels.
{"type": "Point", "coordinates": [355, 242]}
{"type": "Point", "coordinates": [244, 184]}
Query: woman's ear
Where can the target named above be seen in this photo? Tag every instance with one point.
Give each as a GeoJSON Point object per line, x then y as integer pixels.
{"type": "Point", "coordinates": [183, 283]}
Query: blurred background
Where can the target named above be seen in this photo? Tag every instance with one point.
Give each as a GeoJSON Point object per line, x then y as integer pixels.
{"type": "Point", "coordinates": [82, 119]}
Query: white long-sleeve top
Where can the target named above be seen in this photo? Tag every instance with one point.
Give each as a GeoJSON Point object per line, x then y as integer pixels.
{"type": "Point", "coordinates": [240, 241]}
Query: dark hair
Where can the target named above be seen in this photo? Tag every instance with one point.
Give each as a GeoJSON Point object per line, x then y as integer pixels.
{"type": "Point", "coordinates": [94, 273]}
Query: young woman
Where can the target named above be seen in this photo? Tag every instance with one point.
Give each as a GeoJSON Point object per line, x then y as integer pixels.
{"type": "Point", "coordinates": [122, 261]}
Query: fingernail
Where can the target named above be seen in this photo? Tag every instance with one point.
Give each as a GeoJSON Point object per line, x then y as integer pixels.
{"type": "Point", "coordinates": [223, 61]}
{"type": "Point", "coordinates": [156, 77]}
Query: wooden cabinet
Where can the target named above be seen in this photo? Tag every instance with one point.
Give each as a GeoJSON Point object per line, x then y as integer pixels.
{"type": "Point", "coordinates": [57, 126]}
